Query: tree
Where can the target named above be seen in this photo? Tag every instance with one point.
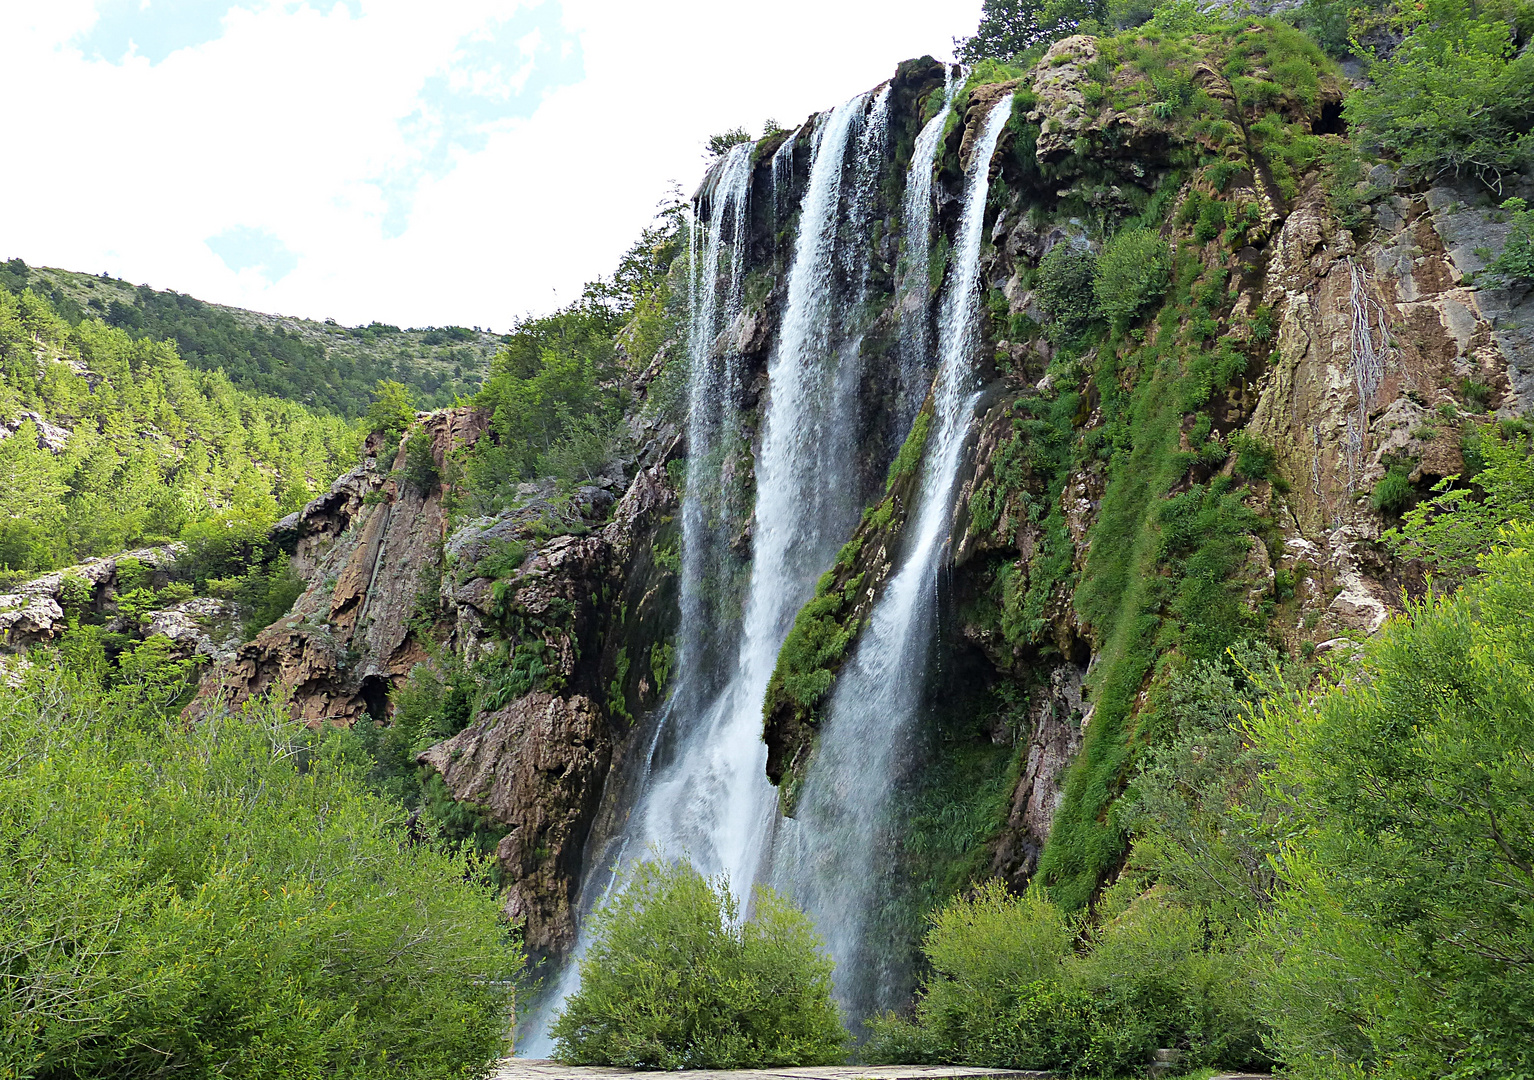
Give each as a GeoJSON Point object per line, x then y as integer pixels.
{"type": "Point", "coordinates": [1455, 97]}
{"type": "Point", "coordinates": [720, 144]}
{"type": "Point", "coordinates": [1406, 936]}
{"type": "Point", "coordinates": [1009, 28]}
{"type": "Point", "coordinates": [1451, 530]}
{"type": "Point", "coordinates": [674, 979]}
{"type": "Point", "coordinates": [224, 898]}
{"type": "Point", "coordinates": [392, 409]}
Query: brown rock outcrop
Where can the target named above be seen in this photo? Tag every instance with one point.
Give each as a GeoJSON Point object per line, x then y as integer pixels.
{"type": "Point", "coordinates": [536, 767]}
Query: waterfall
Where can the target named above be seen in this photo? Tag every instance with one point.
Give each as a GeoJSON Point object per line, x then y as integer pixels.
{"type": "Point", "coordinates": [834, 857]}
{"type": "Point", "coordinates": [704, 794]}
{"type": "Point", "coordinates": [716, 249]}
{"type": "Point", "coordinates": [715, 291]}
{"type": "Point", "coordinates": [873, 143]}
{"type": "Point", "coordinates": [782, 177]}
{"type": "Point", "coordinates": [915, 282]}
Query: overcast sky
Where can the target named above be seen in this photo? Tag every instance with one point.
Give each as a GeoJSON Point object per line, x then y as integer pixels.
{"type": "Point", "coordinates": [413, 162]}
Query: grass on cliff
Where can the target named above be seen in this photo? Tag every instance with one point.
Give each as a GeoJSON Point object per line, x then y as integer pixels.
{"type": "Point", "coordinates": [1160, 573]}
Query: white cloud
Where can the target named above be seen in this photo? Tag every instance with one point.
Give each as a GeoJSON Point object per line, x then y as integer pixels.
{"type": "Point", "coordinates": [460, 162]}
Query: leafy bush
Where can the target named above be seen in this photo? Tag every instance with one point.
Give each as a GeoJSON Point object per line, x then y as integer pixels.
{"type": "Point", "coordinates": [720, 144]}
{"type": "Point", "coordinates": [1404, 940]}
{"type": "Point", "coordinates": [1007, 990]}
{"type": "Point", "coordinates": [1011, 28]}
{"type": "Point", "coordinates": [1454, 526]}
{"type": "Point", "coordinates": [421, 470]}
{"type": "Point", "coordinates": [1515, 264]}
{"type": "Point", "coordinates": [222, 898]}
{"type": "Point", "coordinates": [1456, 96]}
{"type": "Point", "coordinates": [1065, 287]}
{"type": "Point", "coordinates": [272, 592]}
{"type": "Point", "coordinates": [1202, 824]}
{"type": "Point", "coordinates": [674, 979]}
{"type": "Point", "coordinates": [1133, 273]}
{"type": "Point", "coordinates": [392, 409]}
{"type": "Point", "coordinates": [579, 454]}
{"type": "Point", "coordinates": [1393, 493]}
{"type": "Point", "coordinates": [1211, 220]}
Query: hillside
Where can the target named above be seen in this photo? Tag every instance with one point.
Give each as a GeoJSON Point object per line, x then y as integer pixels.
{"type": "Point", "coordinates": [320, 364]}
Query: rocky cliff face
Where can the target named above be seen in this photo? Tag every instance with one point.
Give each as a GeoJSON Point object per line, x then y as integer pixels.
{"type": "Point", "coordinates": [1206, 470]}
{"type": "Point", "coordinates": [1356, 349]}
{"type": "Point", "coordinates": [390, 586]}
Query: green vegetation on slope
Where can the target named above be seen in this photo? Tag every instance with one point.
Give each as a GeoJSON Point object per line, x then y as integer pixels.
{"type": "Point", "coordinates": [1405, 928]}
{"type": "Point", "coordinates": [224, 899]}
{"type": "Point", "coordinates": [150, 451]}
{"type": "Point", "coordinates": [559, 386]}
{"type": "Point", "coordinates": [328, 367]}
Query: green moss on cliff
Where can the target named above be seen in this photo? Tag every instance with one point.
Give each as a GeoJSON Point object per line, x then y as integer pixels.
{"type": "Point", "coordinates": [1160, 575]}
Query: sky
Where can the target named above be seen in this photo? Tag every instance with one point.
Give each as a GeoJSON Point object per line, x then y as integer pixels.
{"type": "Point", "coordinates": [419, 163]}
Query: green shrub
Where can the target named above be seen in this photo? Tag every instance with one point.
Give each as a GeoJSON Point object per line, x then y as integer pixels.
{"type": "Point", "coordinates": [502, 560]}
{"type": "Point", "coordinates": [75, 592]}
{"type": "Point", "coordinates": [1393, 493]}
{"type": "Point", "coordinates": [1515, 264]}
{"type": "Point", "coordinates": [392, 409]}
{"type": "Point", "coordinates": [1133, 273]}
{"type": "Point", "coordinates": [1255, 459]}
{"type": "Point", "coordinates": [272, 591]}
{"type": "Point", "coordinates": [674, 979]}
{"type": "Point", "coordinates": [1457, 524]}
{"type": "Point", "coordinates": [421, 470]}
{"type": "Point", "coordinates": [578, 455]}
{"type": "Point", "coordinates": [224, 898]}
{"type": "Point", "coordinates": [1211, 220]}
{"type": "Point", "coordinates": [1008, 991]}
{"type": "Point", "coordinates": [1405, 936]}
{"type": "Point", "coordinates": [1065, 288]}
{"type": "Point", "coordinates": [1456, 96]}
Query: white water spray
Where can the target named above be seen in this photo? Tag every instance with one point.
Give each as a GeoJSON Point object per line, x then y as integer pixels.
{"type": "Point", "coordinates": [706, 795]}
{"type": "Point", "coordinates": [915, 283]}
{"type": "Point", "coordinates": [835, 856]}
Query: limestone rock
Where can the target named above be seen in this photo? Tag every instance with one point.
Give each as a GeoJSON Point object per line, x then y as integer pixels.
{"type": "Point", "coordinates": [535, 767]}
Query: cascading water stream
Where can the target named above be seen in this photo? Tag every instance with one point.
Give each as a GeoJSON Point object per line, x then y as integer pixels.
{"type": "Point", "coordinates": [705, 795]}
{"type": "Point", "coordinates": [915, 282]}
{"type": "Point", "coordinates": [713, 804]}
{"type": "Point", "coordinates": [716, 256]}
{"type": "Point", "coordinates": [834, 856]}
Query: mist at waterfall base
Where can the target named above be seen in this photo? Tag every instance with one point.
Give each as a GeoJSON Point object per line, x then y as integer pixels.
{"type": "Point", "coordinates": [698, 789]}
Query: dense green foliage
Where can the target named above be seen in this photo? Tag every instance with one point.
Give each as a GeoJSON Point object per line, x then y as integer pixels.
{"type": "Point", "coordinates": [1515, 263]}
{"type": "Point", "coordinates": [325, 366]}
{"type": "Point", "coordinates": [557, 387]}
{"type": "Point", "coordinates": [1406, 933]}
{"type": "Point", "coordinates": [1452, 528]}
{"type": "Point", "coordinates": [674, 979]}
{"type": "Point", "coordinates": [1455, 96]}
{"type": "Point", "coordinates": [1008, 989]}
{"type": "Point", "coordinates": [438, 700]}
{"type": "Point", "coordinates": [1065, 288]}
{"type": "Point", "coordinates": [155, 452]}
{"type": "Point", "coordinates": [221, 899]}
{"type": "Point", "coordinates": [1010, 28]}
{"type": "Point", "coordinates": [1132, 274]}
